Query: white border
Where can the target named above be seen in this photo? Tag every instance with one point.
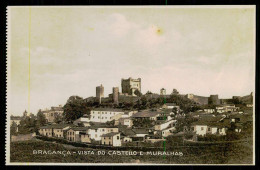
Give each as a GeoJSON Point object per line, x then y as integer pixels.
{"type": "Point", "coordinates": [8, 73]}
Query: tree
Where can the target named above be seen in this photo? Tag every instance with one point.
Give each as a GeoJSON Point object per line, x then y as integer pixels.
{"type": "Point", "coordinates": [138, 93]}
{"type": "Point", "coordinates": [175, 92]}
{"type": "Point", "coordinates": [41, 119]}
{"type": "Point", "coordinates": [57, 118]}
{"type": "Point", "coordinates": [75, 108]}
{"type": "Point", "coordinates": [110, 123]}
{"type": "Point", "coordinates": [28, 125]}
{"type": "Point", "coordinates": [13, 128]}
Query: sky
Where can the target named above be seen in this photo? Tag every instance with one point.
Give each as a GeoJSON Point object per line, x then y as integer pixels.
{"type": "Point", "coordinates": [202, 50]}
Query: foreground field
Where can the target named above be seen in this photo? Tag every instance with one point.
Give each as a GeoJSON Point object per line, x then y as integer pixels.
{"type": "Point", "coordinates": [235, 153]}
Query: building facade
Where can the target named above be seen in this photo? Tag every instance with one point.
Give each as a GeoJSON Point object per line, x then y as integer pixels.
{"type": "Point", "coordinates": [111, 139]}
{"type": "Point", "coordinates": [130, 85]}
{"type": "Point", "coordinates": [115, 94]}
{"type": "Point", "coordinates": [51, 114]}
{"type": "Point", "coordinates": [163, 91]}
{"type": "Point", "coordinates": [104, 114]}
{"type": "Point", "coordinates": [100, 92]}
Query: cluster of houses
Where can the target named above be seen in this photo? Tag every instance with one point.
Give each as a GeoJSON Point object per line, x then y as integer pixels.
{"type": "Point", "coordinates": [111, 126]}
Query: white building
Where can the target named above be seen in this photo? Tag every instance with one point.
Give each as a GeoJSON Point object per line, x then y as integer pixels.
{"type": "Point", "coordinates": [209, 110]}
{"type": "Point", "coordinates": [124, 121]}
{"type": "Point", "coordinates": [111, 139]}
{"type": "Point", "coordinates": [105, 114]}
{"type": "Point", "coordinates": [170, 106]}
{"type": "Point", "coordinates": [95, 132]}
{"type": "Point", "coordinates": [164, 125]}
{"type": "Point", "coordinates": [51, 114]}
{"type": "Point", "coordinates": [204, 128]}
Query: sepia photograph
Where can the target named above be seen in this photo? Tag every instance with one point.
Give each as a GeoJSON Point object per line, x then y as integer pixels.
{"type": "Point", "coordinates": [130, 85]}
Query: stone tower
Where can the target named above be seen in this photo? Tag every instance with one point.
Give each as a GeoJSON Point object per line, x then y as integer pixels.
{"type": "Point", "coordinates": [213, 99]}
{"type": "Point", "coordinates": [130, 85]}
{"type": "Point", "coordinates": [115, 94]}
{"type": "Point", "coordinates": [163, 91]}
{"type": "Point", "coordinates": [99, 92]}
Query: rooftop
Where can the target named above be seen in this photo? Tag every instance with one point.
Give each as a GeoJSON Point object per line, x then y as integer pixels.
{"type": "Point", "coordinates": [110, 134]}
{"type": "Point", "coordinates": [108, 109]}
{"type": "Point", "coordinates": [146, 113]}
{"type": "Point", "coordinates": [79, 128]}
{"type": "Point", "coordinates": [140, 131]}
{"type": "Point", "coordinates": [170, 104]}
{"type": "Point", "coordinates": [16, 118]}
{"type": "Point", "coordinates": [56, 126]}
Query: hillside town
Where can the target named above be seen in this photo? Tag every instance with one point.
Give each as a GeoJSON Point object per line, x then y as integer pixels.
{"type": "Point", "coordinates": [130, 117]}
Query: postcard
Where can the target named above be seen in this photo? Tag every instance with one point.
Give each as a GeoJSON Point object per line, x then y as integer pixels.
{"type": "Point", "coordinates": [130, 85]}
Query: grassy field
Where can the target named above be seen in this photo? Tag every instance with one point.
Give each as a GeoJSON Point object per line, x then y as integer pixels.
{"type": "Point", "coordinates": [236, 153]}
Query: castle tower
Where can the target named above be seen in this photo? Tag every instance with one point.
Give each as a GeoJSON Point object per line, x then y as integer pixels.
{"type": "Point", "coordinates": [99, 92]}
{"type": "Point", "coordinates": [115, 94]}
{"type": "Point", "coordinates": [213, 99]}
{"type": "Point", "coordinates": [130, 85]}
{"type": "Point", "coordinates": [163, 91]}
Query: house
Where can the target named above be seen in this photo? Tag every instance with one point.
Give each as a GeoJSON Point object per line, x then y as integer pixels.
{"type": "Point", "coordinates": [46, 131]}
{"type": "Point", "coordinates": [164, 124]}
{"type": "Point", "coordinates": [15, 121]}
{"type": "Point", "coordinates": [146, 114]}
{"type": "Point", "coordinates": [204, 127]}
{"type": "Point", "coordinates": [54, 130]}
{"type": "Point", "coordinates": [128, 114]}
{"type": "Point", "coordinates": [59, 129]}
{"type": "Point", "coordinates": [105, 114]}
{"type": "Point", "coordinates": [249, 105]}
{"type": "Point", "coordinates": [209, 110]}
{"type": "Point", "coordinates": [227, 108]}
{"type": "Point", "coordinates": [84, 137]}
{"type": "Point", "coordinates": [73, 134]}
{"type": "Point", "coordinates": [127, 134]}
{"type": "Point", "coordinates": [140, 134]}
{"type": "Point", "coordinates": [111, 139]}
{"type": "Point", "coordinates": [51, 114]}
{"type": "Point", "coordinates": [96, 131]}
{"type": "Point", "coordinates": [84, 120]}
{"type": "Point", "coordinates": [124, 121]}
{"type": "Point", "coordinates": [170, 106]}
{"type": "Point", "coordinates": [168, 131]}
{"type": "Point", "coordinates": [199, 128]}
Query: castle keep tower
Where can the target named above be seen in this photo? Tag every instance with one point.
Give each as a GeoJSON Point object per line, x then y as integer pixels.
{"type": "Point", "coordinates": [130, 85]}
{"type": "Point", "coordinates": [213, 99]}
{"type": "Point", "coordinates": [115, 94]}
{"type": "Point", "coordinates": [99, 92]}
{"type": "Point", "coordinates": [163, 91]}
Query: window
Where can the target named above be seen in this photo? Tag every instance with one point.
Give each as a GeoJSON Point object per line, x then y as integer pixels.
{"type": "Point", "coordinates": [202, 128]}
{"type": "Point", "coordinates": [117, 137]}
{"type": "Point", "coordinates": [103, 130]}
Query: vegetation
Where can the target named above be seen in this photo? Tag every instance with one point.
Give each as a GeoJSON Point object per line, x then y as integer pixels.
{"type": "Point", "coordinates": [230, 153]}
{"type": "Point", "coordinates": [145, 123]}
{"type": "Point", "coordinates": [75, 108]}
{"type": "Point", "coordinates": [41, 119]}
